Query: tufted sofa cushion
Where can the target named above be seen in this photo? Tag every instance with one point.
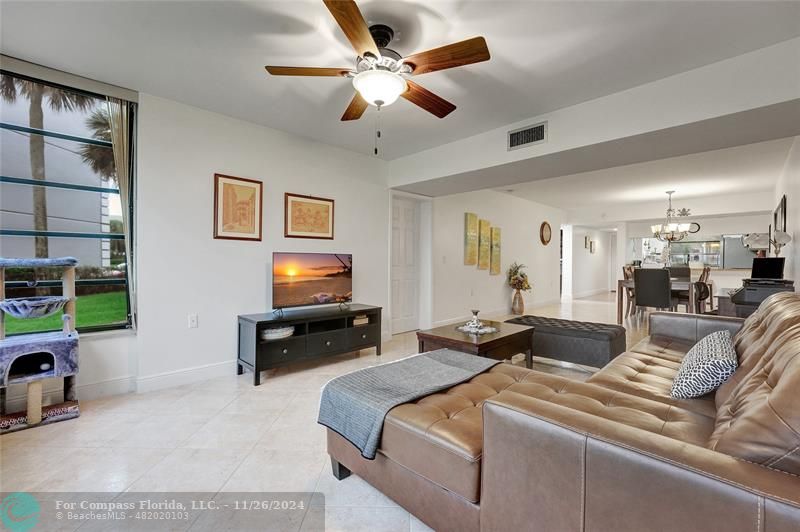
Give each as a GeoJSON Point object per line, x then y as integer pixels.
{"type": "Point", "coordinates": [673, 349]}
{"type": "Point", "coordinates": [758, 409]}
{"type": "Point", "coordinates": [440, 437]}
{"type": "Point", "coordinates": [757, 340]}
{"type": "Point", "coordinates": [650, 377]}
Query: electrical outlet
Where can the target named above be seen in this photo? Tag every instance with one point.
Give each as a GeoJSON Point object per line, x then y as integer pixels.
{"type": "Point", "coordinates": [193, 321]}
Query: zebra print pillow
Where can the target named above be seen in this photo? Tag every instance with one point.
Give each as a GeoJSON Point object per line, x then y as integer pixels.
{"type": "Point", "coordinates": [706, 366]}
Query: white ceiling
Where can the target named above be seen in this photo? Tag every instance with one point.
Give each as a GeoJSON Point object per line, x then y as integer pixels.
{"type": "Point", "coordinates": [740, 170]}
{"type": "Point", "coordinates": [545, 55]}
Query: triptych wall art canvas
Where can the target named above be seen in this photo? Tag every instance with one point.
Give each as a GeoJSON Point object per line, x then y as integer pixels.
{"type": "Point", "coordinates": [482, 244]}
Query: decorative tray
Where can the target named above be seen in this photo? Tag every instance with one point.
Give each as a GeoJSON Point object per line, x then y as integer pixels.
{"type": "Point", "coordinates": [482, 329]}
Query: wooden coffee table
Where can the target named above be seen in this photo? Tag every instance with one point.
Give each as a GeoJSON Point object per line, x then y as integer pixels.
{"type": "Point", "coordinates": [509, 340]}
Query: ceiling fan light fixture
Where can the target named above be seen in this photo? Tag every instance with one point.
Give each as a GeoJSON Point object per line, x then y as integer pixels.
{"type": "Point", "coordinates": [379, 87]}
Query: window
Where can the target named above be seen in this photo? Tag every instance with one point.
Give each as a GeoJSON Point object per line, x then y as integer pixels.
{"type": "Point", "coordinates": [59, 197]}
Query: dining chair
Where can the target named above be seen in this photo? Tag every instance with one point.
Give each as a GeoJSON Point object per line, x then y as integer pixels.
{"type": "Point", "coordinates": [680, 272]}
{"type": "Point", "coordinates": [704, 278]}
{"type": "Point", "coordinates": [702, 293]}
{"type": "Point", "coordinates": [627, 274]}
{"type": "Point", "coordinates": [653, 288]}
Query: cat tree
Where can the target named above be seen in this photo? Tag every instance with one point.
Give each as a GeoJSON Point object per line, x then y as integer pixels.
{"type": "Point", "coordinates": [30, 358]}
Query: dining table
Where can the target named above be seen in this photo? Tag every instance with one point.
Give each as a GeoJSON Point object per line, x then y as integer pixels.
{"type": "Point", "coordinates": [676, 284]}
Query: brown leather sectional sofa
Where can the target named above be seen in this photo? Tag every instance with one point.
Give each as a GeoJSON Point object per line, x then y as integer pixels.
{"type": "Point", "coordinates": [516, 449]}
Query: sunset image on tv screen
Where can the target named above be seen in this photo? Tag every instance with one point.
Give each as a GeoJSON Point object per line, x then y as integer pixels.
{"type": "Point", "coordinates": [300, 279]}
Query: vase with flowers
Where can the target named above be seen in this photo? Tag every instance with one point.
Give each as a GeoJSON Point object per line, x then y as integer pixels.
{"type": "Point", "coordinates": [518, 280]}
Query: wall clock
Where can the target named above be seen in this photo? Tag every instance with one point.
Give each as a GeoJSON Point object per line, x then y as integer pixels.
{"type": "Point", "coordinates": [545, 233]}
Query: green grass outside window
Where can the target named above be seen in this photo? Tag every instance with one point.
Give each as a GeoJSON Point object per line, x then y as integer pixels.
{"type": "Point", "coordinates": [93, 310]}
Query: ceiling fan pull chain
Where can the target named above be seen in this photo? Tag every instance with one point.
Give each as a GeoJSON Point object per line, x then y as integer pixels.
{"type": "Point", "coordinates": [377, 129]}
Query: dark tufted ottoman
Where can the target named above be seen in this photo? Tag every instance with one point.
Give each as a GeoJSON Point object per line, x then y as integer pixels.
{"type": "Point", "coordinates": [579, 342]}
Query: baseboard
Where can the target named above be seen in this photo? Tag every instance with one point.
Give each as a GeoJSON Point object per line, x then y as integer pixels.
{"type": "Point", "coordinates": [52, 391]}
{"type": "Point", "coordinates": [546, 303]}
{"type": "Point", "coordinates": [179, 377]}
{"type": "Point", "coordinates": [589, 293]}
{"type": "Point", "coordinates": [105, 388]}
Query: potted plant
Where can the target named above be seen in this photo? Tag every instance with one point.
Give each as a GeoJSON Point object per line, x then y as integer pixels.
{"type": "Point", "coordinates": [518, 280]}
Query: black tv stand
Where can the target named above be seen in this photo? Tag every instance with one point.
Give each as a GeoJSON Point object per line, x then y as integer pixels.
{"type": "Point", "coordinates": [318, 332]}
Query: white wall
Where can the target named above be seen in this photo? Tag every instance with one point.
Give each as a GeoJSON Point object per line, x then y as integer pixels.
{"type": "Point", "coordinates": [789, 185]}
{"type": "Point", "coordinates": [590, 271]}
{"type": "Point", "coordinates": [458, 288]}
{"type": "Point", "coordinates": [183, 270]}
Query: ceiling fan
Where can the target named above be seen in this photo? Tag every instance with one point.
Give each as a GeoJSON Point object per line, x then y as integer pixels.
{"type": "Point", "coordinates": [380, 75]}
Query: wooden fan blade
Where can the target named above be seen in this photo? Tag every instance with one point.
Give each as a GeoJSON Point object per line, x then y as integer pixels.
{"type": "Point", "coordinates": [453, 55]}
{"type": "Point", "coordinates": [356, 108]}
{"type": "Point", "coordinates": [355, 28]}
{"type": "Point", "coordinates": [305, 71]}
{"type": "Point", "coordinates": [427, 100]}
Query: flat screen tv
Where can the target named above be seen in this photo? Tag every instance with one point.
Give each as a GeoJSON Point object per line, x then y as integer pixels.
{"type": "Point", "coordinates": [304, 279]}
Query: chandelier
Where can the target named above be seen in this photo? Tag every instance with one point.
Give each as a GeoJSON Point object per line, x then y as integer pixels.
{"type": "Point", "coordinates": [672, 230]}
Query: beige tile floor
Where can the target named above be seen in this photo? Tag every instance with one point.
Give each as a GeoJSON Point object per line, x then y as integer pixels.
{"type": "Point", "coordinates": [225, 435]}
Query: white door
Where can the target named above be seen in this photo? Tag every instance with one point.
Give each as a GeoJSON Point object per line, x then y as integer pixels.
{"type": "Point", "coordinates": [405, 265]}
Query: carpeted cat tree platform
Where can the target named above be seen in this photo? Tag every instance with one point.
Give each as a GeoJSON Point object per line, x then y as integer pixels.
{"type": "Point", "coordinates": [30, 358]}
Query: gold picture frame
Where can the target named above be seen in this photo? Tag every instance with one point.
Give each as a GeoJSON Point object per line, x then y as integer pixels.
{"type": "Point", "coordinates": [494, 268]}
{"type": "Point", "coordinates": [237, 208]}
{"type": "Point", "coordinates": [484, 244]}
{"type": "Point", "coordinates": [307, 217]}
{"type": "Point", "coordinates": [470, 239]}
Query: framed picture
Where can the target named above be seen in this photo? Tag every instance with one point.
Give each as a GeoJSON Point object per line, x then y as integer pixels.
{"type": "Point", "coordinates": [494, 261]}
{"type": "Point", "coordinates": [237, 208]}
{"type": "Point", "coordinates": [545, 233]}
{"type": "Point", "coordinates": [484, 244]}
{"type": "Point", "coordinates": [779, 216]}
{"type": "Point", "coordinates": [591, 246]}
{"type": "Point", "coordinates": [470, 239]}
{"type": "Point", "coordinates": [307, 217]}
{"type": "Point", "coordinates": [586, 242]}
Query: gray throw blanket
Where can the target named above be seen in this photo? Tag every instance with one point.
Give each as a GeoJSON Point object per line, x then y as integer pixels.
{"type": "Point", "coordinates": [354, 405]}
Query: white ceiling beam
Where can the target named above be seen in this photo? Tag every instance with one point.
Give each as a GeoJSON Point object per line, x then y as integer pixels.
{"type": "Point", "coordinates": [757, 80]}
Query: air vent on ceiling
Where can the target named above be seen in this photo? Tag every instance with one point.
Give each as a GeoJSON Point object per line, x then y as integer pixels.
{"type": "Point", "coordinates": [526, 136]}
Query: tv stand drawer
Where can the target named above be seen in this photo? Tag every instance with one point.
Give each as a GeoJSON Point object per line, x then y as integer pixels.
{"type": "Point", "coordinates": [363, 335]}
{"type": "Point", "coordinates": [326, 342]}
{"type": "Point", "coordinates": [281, 351]}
